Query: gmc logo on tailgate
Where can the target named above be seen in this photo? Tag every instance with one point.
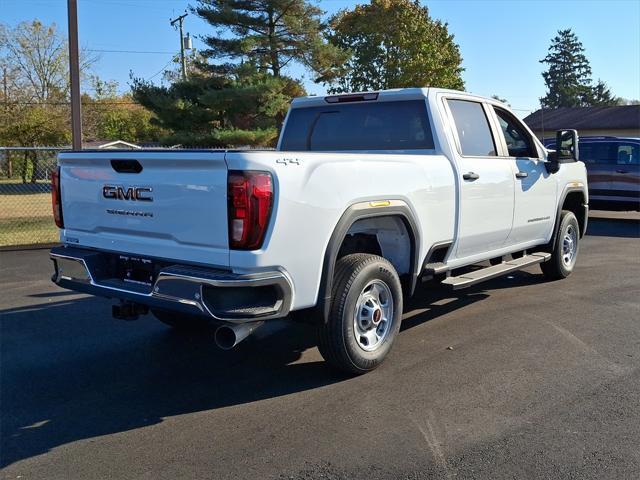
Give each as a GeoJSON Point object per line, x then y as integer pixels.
{"type": "Point", "coordinates": [139, 194]}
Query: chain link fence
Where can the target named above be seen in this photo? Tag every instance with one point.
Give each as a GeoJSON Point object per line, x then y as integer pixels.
{"type": "Point", "coordinates": [26, 217]}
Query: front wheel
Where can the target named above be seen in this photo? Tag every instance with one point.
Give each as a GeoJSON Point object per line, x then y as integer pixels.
{"type": "Point", "coordinates": [565, 250]}
{"type": "Point", "coordinates": [365, 313]}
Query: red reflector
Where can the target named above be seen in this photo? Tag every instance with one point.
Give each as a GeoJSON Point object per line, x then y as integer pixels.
{"type": "Point", "coordinates": [250, 199]}
{"type": "Point", "coordinates": [56, 197]}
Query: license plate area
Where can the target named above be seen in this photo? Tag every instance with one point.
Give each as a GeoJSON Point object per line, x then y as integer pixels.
{"type": "Point", "coordinates": [138, 270]}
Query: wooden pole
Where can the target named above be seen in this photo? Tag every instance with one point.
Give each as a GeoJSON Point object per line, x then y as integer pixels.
{"type": "Point", "coordinates": [74, 72]}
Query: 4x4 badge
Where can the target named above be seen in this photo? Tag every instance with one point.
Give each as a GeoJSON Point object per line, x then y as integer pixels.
{"type": "Point", "coordinates": [288, 161]}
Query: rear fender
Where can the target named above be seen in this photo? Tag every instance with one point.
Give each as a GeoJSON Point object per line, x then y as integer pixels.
{"type": "Point", "coordinates": [354, 213]}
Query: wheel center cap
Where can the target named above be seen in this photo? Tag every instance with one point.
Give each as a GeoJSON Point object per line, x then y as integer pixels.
{"type": "Point", "coordinates": [377, 316]}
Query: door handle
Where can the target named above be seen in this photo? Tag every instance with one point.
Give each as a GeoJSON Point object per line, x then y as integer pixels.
{"type": "Point", "coordinates": [621, 171]}
{"type": "Point", "coordinates": [522, 175]}
{"type": "Point", "coordinates": [471, 176]}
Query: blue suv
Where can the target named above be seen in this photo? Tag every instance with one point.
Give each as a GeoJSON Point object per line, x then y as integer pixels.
{"type": "Point", "coordinates": [613, 169]}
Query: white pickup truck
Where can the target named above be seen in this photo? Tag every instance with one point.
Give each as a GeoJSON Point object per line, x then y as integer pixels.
{"type": "Point", "coordinates": [366, 195]}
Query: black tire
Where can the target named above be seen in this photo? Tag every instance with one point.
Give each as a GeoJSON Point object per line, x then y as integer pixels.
{"type": "Point", "coordinates": [337, 339]}
{"type": "Point", "coordinates": [557, 267]}
{"type": "Point", "coordinates": [179, 321]}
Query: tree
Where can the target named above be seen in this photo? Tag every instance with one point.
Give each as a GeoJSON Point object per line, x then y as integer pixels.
{"type": "Point", "coordinates": [500, 99]}
{"type": "Point", "coordinates": [238, 109]}
{"type": "Point", "coordinates": [269, 34]}
{"type": "Point", "coordinates": [34, 57]}
{"type": "Point", "coordinates": [602, 96]}
{"type": "Point", "coordinates": [196, 64]}
{"type": "Point", "coordinates": [34, 125]}
{"type": "Point", "coordinates": [110, 116]}
{"type": "Point", "coordinates": [38, 56]}
{"type": "Point", "coordinates": [568, 77]}
{"type": "Point", "coordinates": [394, 43]}
{"type": "Point", "coordinates": [628, 101]}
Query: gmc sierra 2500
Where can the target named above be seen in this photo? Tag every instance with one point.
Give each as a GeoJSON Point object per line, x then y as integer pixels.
{"type": "Point", "coordinates": [365, 195]}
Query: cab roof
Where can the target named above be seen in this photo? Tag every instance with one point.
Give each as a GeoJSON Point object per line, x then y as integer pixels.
{"type": "Point", "coordinates": [395, 94]}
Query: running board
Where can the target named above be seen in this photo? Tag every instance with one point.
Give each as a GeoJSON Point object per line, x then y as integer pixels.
{"type": "Point", "coordinates": [468, 279]}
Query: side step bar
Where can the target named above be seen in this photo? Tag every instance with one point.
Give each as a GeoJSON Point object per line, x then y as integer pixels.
{"type": "Point", "coordinates": [435, 268]}
{"type": "Point", "coordinates": [468, 279]}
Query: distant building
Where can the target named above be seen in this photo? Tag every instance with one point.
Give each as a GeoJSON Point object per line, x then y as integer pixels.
{"type": "Point", "coordinates": [618, 121]}
{"type": "Point", "coordinates": [110, 145]}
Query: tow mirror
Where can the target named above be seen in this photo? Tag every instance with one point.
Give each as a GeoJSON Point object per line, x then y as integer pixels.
{"type": "Point", "coordinates": [566, 150]}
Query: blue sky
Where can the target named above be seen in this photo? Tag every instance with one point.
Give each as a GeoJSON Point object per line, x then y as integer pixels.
{"type": "Point", "coordinates": [501, 40]}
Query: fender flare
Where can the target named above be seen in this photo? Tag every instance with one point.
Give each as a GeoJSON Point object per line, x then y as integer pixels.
{"type": "Point", "coordinates": [352, 214]}
{"type": "Point", "coordinates": [565, 193]}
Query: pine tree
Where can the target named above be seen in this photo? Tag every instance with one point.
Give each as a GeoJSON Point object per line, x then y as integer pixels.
{"type": "Point", "coordinates": [568, 77]}
{"type": "Point", "coordinates": [268, 33]}
{"type": "Point", "coordinates": [238, 109]}
{"type": "Point", "coordinates": [602, 96]}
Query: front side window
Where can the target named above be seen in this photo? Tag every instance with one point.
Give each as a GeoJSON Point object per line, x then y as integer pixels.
{"type": "Point", "coordinates": [598, 152]}
{"type": "Point", "coordinates": [473, 129]}
{"type": "Point", "coordinates": [519, 143]}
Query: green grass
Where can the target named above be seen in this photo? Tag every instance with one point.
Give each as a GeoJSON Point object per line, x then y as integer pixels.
{"type": "Point", "coordinates": [18, 181]}
{"type": "Point", "coordinates": [27, 231]}
{"type": "Point", "coordinates": [26, 219]}
{"type": "Point", "coordinates": [25, 205]}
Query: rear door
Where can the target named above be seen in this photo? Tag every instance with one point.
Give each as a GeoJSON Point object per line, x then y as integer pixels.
{"type": "Point", "coordinates": [152, 203]}
{"type": "Point", "coordinates": [535, 189]}
{"type": "Point", "coordinates": [486, 181]}
{"type": "Point", "coordinates": [626, 178]}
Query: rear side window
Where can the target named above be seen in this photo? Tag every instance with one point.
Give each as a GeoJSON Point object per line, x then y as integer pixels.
{"type": "Point", "coordinates": [628, 154]}
{"type": "Point", "coordinates": [359, 126]}
{"type": "Point", "coordinates": [473, 128]}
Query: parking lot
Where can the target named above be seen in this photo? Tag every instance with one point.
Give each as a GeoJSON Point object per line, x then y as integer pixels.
{"type": "Point", "coordinates": [516, 378]}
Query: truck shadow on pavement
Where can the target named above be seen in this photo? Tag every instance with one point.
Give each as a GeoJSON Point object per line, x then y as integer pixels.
{"type": "Point", "coordinates": [614, 227]}
{"type": "Point", "coordinates": [70, 372]}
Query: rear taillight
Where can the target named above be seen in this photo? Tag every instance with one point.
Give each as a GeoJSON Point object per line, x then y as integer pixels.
{"type": "Point", "coordinates": [250, 199]}
{"type": "Point", "coordinates": [56, 197]}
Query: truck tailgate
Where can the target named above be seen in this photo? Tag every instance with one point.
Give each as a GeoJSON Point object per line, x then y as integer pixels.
{"type": "Point", "coordinates": [152, 203]}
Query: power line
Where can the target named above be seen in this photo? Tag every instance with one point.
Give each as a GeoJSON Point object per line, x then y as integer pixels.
{"type": "Point", "coordinates": [98, 50]}
{"type": "Point", "coordinates": [160, 71]}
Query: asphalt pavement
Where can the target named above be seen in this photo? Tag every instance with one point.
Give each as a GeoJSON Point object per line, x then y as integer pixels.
{"type": "Point", "coordinates": [515, 378]}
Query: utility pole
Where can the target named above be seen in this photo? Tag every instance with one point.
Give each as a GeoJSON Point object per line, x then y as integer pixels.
{"type": "Point", "coordinates": [179, 20]}
{"type": "Point", "coordinates": [5, 97]}
{"type": "Point", "coordinates": [74, 72]}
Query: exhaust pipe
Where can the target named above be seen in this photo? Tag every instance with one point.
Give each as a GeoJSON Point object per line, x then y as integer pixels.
{"type": "Point", "coordinates": [229, 335]}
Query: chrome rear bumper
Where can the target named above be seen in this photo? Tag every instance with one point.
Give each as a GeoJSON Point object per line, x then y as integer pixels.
{"type": "Point", "coordinates": [218, 294]}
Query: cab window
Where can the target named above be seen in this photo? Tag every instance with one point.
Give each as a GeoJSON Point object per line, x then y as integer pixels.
{"type": "Point", "coordinates": [518, 140]}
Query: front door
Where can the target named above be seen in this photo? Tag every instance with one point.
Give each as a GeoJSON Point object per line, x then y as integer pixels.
{"type": "Point", "coordinates": [486, 182]}
{"type": "Point", "coordinates": [535, 189]}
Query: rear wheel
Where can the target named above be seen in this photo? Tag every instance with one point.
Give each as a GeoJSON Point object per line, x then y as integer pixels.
{"type": "Point", "coordinates": [365, 313]}
{"type": "Point", "coordinates": [180, 321]}
{"type": "Point", "coordinates": [565, 251]}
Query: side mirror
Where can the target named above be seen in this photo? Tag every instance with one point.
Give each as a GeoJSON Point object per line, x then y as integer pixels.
{"type": "Point", "coordinates": [566, 150]}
